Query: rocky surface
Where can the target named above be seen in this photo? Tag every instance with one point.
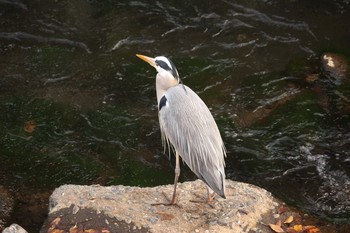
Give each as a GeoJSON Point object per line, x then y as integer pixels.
{"type": "Point", "coordinates": [6, 206]}
{"type": "Point", "coordinates": [131, 209]}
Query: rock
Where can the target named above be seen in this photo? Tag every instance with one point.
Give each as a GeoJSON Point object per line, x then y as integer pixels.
{"type": "Point", "coordinates": [14, 228]}
{"type": "Point", "coordinates": [130, 209]}
{"type": "Point", "coordinates": [6, 206]}
{"type": "Point", "coordinates": [335, 67]}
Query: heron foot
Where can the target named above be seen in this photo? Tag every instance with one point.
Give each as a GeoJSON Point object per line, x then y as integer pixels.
{"type": "Point", "coordinates": [209, 200]}
{"type": "Point", "coordinates": [171, 202]}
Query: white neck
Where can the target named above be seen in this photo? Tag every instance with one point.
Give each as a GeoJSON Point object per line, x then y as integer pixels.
{"type": "Point", "coordinates": [160, 94]}
{"type": "Point", "coordinates": [163, 83]}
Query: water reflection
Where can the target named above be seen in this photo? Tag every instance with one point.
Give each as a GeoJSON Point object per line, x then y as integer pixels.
{"type": "Point", "coordinates": [71, 67]}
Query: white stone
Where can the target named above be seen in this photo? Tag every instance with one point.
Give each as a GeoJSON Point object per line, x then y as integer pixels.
{"type": "Point", "coordinates": [14, 228]}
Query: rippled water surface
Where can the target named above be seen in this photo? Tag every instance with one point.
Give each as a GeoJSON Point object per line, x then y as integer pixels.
{"type": "Point", "coordinates": [79, 107]}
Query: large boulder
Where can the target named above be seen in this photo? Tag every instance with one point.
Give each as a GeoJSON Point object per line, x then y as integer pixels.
{"type": "Point", "coordinates": [130, 209]}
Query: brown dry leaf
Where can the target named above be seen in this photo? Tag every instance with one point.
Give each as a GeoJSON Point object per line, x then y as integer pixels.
{"type": "Point", "coordinates": [57, 231]}
{"type": "Point", "coordinates": [298, 228]}
{"type": "Point", "coordinates": [105, 230]}
{"type": "Point", "coordinates": [55, 221]}
{"type": "Point", "coordinates": [74, 229]}
{"type": "Point", "coordinates": [289, 219]}
{"type": "Point", "coordinates": [282, 209]}
{"type": "Point", "coordinates": [29, 126]}
{"type": "Point", "coordinates": [291, 230]}
{"type": "Point", "coordinates": [276, 228]}
{"type": "Point", "coordinates": [311, 229]}
{"type": "Point", "coordinates": [165, 216]}
{"type": "Point", "coordinates": [91, 231]}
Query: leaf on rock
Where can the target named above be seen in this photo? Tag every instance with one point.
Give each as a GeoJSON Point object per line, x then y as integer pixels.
{"type": "Point", "coordinates": [74, 229]}
{"type": "Point", "coordinates": [291, 230]}
{"type": "Point", "coordinates": [55, 221]}
{"type": "Point", "coordinates": [57, 231]}
{"type": "Point", "coordinates": [282, 209]}
{"type": "Point", "coordinates": [289, 219]}
{"type": "Point", "coordinates": [91, 231]}
{"type": "Point", "coordinates": [298, 228]}
{"type": "Point", "coordinates": [276, 228]}
{"type": "Point", "coordinates": [311, 229]}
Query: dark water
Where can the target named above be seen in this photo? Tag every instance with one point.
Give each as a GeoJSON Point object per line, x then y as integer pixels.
{"type": "Point", "coordinates": [68, 68]}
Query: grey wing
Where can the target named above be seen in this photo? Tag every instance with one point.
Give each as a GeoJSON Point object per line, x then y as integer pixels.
{"type": "Point", "coordinates": [186, 122]}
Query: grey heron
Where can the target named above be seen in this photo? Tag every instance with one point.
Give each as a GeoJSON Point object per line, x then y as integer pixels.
{"type": "Point", "coordinates": [187, 124]}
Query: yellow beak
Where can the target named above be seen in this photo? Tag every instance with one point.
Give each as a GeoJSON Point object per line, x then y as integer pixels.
{"type": "Point", "coordinates": [149, 60]}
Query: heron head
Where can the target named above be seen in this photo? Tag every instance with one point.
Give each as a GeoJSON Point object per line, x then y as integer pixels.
{"type": "Point", "coordinates": [164, 66]}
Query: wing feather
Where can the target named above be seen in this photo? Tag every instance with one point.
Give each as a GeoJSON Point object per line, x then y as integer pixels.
{"type": "Point", "coordinates": [188, 125]}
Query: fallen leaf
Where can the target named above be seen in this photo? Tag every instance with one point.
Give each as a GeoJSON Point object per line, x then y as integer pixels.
{"type": "Point", "coordinates": [282, 209]}
{"type": "Point", "coordinates": [91, 231]}
{"type": "Point", "coordinates": [105, 230]}
{"type": "Point", "coordinates": [276, 228]}
{"type": "Point", "coordinates": [298, 228]}
{"type": "Point", "coordinates": [311, 229]}
{"type": "Point", "coordinates": [291, 230]}
{"type": "Point", "coordinates": [55, 221]}
{"type": "Point", "coordinates": [289, 219]}
{"type": "Point", "coordinates": [74, 229]}
{"type": "Point", "coordinates": [29, 126]}
{"type": "Point", "coordinates": [57, 231]}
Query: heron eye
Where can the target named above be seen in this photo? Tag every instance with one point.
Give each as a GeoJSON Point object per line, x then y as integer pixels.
{"type": "Point", "coordinates": [163, 64]}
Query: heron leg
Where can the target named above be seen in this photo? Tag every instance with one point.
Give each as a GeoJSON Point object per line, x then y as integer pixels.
{"type": "Point", "coordinates": [209, 200]}
{"type": "Point", "coordinates": [211, 196]}
{"type": "Point", "coordinates": [177, 174]}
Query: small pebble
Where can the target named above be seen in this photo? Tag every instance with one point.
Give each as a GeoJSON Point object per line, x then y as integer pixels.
{"type": "Point", "coordinates": [224, 221]}
{"type": "Point", "coordinates": [213, 223]}
{"type": "Point", "coordinates": [153, 220]}
{"type": "Point", "coordinates": [276, 215]}
{"type": "Point", "coordinates": [195, 216]}
{"type": "Point", "coordinates": [75, 209]}
{"type": "Point", "coordinates": [128, 220]}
